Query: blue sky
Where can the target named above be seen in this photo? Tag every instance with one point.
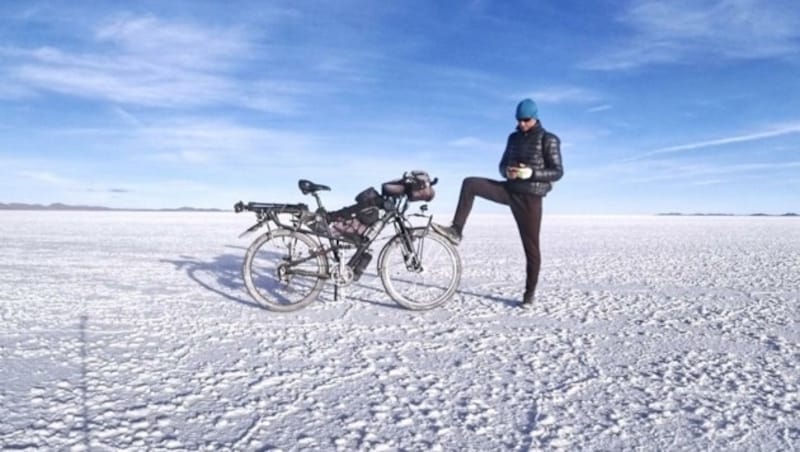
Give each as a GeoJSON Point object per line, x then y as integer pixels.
{"type": "Point", "coordinates": [687, 106]}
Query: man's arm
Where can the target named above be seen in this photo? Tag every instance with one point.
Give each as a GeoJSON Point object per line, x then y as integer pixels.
{"type": "Point", "coordinates": [504, 160]}
{"type": "Point", "coordinates": [553, 168]}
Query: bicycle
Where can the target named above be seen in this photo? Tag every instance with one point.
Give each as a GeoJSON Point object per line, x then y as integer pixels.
{"type": "Point", "coordinates": [286, 267]}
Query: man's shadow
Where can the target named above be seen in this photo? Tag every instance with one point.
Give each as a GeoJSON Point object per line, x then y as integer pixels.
{"type": "Point", "coordinates": [511, 302]}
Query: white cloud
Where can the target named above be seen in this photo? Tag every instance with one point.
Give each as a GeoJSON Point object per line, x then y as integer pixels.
{"type": "Point", "coordinates": [146, 61]}
{"type": "Point", "coordinates": [10, 91]}
{"type": "Point", "coordinates": [48, 178]}
{"type": "Point", "coordinates": [126, 117]}
{"type": "Point", "coordinates": [696, 171]}
{"type": "Point", "coordinates": [692, 173]}
{"type": "Point", "coordinates": [225, 136]}
{"type": "Point", "coordinates": [600, 108]}
{"type": "Point", "coordinates": [471, 142]}
{"type": "Point", "coordinates": [563, 95]}
{"type": "Point", "coordinates": [156, 87]}
{"type": "Point", "coordinates": [707, 182]}
{"type": "Point", "coordinates": [175, 44]}
{"type": "Point", "coordinates": [775, 131]}
{"type": "Point", "coordinates": [688, 31]}
{"type": "Point", "coordinates": [165, 69]}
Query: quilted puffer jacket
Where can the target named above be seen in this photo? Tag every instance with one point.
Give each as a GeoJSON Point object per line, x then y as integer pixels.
{"type": "Point", "coordinates": [541, 151]}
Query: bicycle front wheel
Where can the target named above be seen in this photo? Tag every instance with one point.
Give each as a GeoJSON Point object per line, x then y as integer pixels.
{"type": "Point", "coordinates": [282, 272]}
{"type": "Point", "coordinates": [422, 274]}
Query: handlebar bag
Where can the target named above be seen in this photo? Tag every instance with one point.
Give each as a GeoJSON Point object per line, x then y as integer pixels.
{"type": "Point", "coordinates": [416, 185]}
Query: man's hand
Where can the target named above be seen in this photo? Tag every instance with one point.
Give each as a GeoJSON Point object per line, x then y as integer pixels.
{"type": "Point", "coordinates": [521, 171]}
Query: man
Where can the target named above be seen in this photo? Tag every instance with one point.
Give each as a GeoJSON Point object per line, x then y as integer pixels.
{"type": "Point", "coordinates": [530, 163]}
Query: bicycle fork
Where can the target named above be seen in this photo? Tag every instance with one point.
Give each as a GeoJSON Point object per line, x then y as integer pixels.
{"type": "Point", "coordinates": [411, 256]}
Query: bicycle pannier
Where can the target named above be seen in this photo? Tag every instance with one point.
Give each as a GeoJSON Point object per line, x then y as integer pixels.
{"type": "Point", "coordinates": [352, 222]}
{"type": "Point", "coordinates": [369, 197]}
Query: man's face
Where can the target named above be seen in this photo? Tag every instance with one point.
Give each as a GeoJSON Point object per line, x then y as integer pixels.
{"type": "Point", "coordinates": [526, 124]}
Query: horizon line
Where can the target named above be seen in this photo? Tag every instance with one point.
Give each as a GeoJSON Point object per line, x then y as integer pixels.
{"type": "Point", "coordinates": [18, 206]}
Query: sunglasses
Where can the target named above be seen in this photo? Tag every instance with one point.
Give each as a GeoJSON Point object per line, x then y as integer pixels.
{"type": "Point", "coordinates": [525, 119]}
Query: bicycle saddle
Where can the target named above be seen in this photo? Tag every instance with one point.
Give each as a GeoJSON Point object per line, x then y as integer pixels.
{"type": "Point", "coordinates": [306, 187]}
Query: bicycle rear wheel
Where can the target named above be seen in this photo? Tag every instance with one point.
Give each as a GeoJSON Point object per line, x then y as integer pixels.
{"type": "Point", "coordinates": [281, 272]}
{"type": "Point", "coordinates": [423, 276]}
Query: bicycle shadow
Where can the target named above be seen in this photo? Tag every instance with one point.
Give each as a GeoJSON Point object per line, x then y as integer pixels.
{"type": "Point", "coordinates": [366, 283]}
{"type": "Point", "coordinates": [226, 280]}
{"type": "Point", "coordinates": [226, 270]}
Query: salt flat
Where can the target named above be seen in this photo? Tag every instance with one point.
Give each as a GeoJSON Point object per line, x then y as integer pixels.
{"type": "Point", "coordinates": [132, 330]}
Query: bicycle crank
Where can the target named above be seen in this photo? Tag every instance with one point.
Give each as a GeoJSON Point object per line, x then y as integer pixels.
{"type": "Point", "coordinates": [342, 275]}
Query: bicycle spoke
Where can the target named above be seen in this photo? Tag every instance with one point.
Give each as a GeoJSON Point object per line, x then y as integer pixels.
{"type": "Point", "coordinates": [428, 284]}
{"type": "Point", "coordinates": [281, 272]}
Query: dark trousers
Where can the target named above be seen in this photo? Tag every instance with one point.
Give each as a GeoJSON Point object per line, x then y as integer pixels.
{"type": "Point", "coordinates": [527, 211]}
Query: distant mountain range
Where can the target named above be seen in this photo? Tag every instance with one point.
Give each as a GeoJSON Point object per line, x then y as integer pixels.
{"type": "Point", "coordinates": [60, 206]}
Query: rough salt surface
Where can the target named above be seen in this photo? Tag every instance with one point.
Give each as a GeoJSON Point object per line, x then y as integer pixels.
{"type": "Point", "coordinates": [133, 331]}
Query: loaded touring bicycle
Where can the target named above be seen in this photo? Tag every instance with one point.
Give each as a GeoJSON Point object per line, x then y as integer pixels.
{"type": "Point", "coordinates": [286, 267]}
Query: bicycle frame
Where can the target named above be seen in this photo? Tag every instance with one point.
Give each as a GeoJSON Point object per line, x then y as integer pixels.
{"type": "Point", "coordinates": [315, 224]}
{"type": "Point", "coordinates": [310, 247]}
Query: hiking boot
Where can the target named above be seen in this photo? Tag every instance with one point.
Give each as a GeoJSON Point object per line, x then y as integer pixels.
{"type": "Point", "coordinates": [527, 302]}
{"type": "Point", "coordinates": [451, 233]}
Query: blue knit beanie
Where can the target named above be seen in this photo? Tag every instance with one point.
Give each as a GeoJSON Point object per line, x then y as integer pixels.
{"type": "Point", "coordinates": [527, 109]}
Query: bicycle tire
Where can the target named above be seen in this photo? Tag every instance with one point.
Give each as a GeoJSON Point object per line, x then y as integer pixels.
{"type": "Point", "coordinates": [263, 277]}
{"type": "Point", "coordinates": [443, 264]}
